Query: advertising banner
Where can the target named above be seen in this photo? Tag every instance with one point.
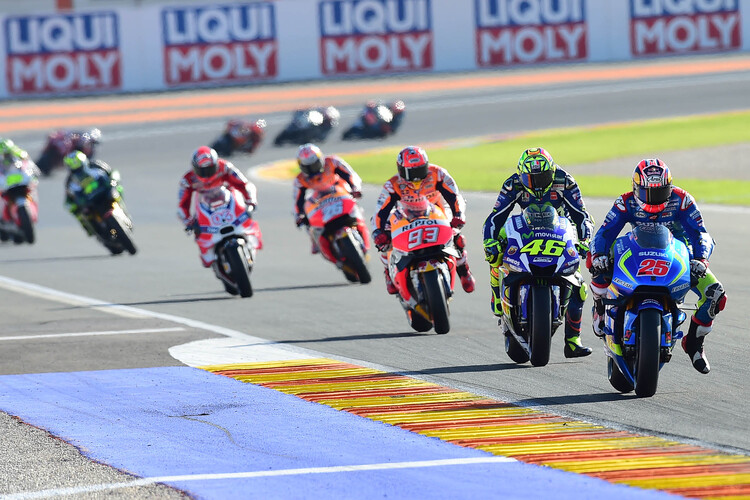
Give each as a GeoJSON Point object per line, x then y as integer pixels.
{"type": "Point", "coordinates": [512, 32]}
{"type": "Point", "coordinates": [375, 36]}
{"type": "Point", "coordinates": [62, 53]}
{"type": "Point", "coordinates": [684, 26]}
{"type": "Point", "coordinates": [219, 44]}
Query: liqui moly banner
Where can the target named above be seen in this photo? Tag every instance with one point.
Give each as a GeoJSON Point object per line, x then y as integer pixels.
{"type": "Point", "coordinates": [220, 44]}
{"type": "Point", "coordinates": [529, 31]}
{"type": "Point", "coordinates": [62, 53]}
{"type": "Point", "coordinates": [684, 26]}
{"type": "Point", "coordinates": [375, 36]}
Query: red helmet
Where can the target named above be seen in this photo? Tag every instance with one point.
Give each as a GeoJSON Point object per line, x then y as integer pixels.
{"type": "Point", "coordinates": [206, 164]}
{"type": "Point", "coordinates": [412, 163]}
{"type": "Point", "coordinates": [310, 159]}
{"type": "Point", "coordinates": [652, 185]}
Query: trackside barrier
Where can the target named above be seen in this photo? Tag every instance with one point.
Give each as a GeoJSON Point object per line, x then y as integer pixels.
{"type": "Point", "coordinates": [110, 46]}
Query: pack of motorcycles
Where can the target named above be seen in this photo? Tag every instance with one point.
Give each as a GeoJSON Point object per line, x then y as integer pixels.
{"type": "Point", "coordinates": [540, 264]}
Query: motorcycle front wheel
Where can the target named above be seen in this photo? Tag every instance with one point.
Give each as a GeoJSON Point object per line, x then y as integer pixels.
{"type": "Point", "coordinates": [648, 353]}
{"type": "Point", "coordinates": [239, 269]}
{"type": "Point", "coordinates": [436, 301]}
{"type": "Point", "coordinates": [540, 325]}
{"type": "Point", "coordinates": [354, 259]}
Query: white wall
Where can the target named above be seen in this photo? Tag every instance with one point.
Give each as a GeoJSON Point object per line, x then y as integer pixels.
{"type": "Point", "coordinates": [135, 45]}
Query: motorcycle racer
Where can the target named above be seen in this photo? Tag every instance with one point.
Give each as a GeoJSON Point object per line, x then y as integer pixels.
{"type": "Point", "coordinates": [209, 172]}
{"type": "Point", "coordinates": [655, 200]}
{"type": "Point", "coordinates": [319, 172]}
{"type": "Point", "coordinates": [418, 177]}
{"type": "Point", "coordinates": [540, 181]}
{"type": "Point", "coordinates": [82, 172]}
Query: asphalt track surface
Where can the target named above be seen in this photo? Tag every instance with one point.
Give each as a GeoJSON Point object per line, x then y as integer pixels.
{"type": "Point", "coordinates": [304, 302]}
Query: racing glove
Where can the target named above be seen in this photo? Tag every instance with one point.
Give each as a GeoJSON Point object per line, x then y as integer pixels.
{"type": "Point", "coordinates": [698, 268]}
{"type": "Point", "coordinates": [381, 239]}
{"type": "Point", "coordinates": [301, 220]}
{"type": "Point", "coordinates": [492, 253]}
{"type": "Point", "coordinates": [600, 263]}
{"type": "Point", "coordinates": [356, 194]}
{"type": "Point", "coordinates": [583, 248]}
{"type": "Point", "coordinates": [192, 226]}
{"type": "Point", "coordinates": [458, 222]}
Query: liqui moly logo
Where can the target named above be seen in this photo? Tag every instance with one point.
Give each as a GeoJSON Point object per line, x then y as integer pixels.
{"type": "Point", "coordinates": [62, 53]}
{"type": "Point", "coordinates": [375, 36]}
{"type": "Point", "coordinates": [220, 43]}
{"type": "Point", "coordinates": [684, 26]}
{"type": "Point", "coordinates": [529, 31]}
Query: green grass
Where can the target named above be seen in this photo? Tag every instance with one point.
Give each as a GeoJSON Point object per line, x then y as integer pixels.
{"type": "Point", "coordinates": [484, 166]}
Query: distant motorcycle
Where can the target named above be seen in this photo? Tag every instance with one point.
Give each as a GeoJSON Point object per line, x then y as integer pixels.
{"type": "Point", "coordinates": [224, 225]}
{"type": "Point", "coordinates": [62, 142]}
{"type": "Point", "coordinates": [539, 263]}
{"type": "Point", "coordinates": [422, 264]}
{"type": "Point", "coordinates": [309, 125]}
{"type": "Point", "coordinates": [377, 121]}
{"type": "Point", "coordinates": [334, 215]}
{"type": "Point", "coordinates": [18, 183]}
{"type": "Point", "coordinates": [651, 276]}
{"type": "Point", "coordinates": [103, 211]}
{"type": "Point", "coordinates": [240, 136]}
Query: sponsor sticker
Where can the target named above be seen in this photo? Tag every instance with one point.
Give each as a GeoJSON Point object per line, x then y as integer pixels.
{"type": "Point", "coordinates": [375, 36]}
{"type": "Point", "coordinates": [685, 26]}
{"type": "Point", "coordinates": [510, 32]}
{"type": "Point", "coordinates": [62, 53]}
{"type": "Point", "coordinates": [215, 43]}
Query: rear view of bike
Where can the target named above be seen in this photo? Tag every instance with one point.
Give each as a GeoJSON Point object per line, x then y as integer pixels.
{"type": "Point", "coordinates": [651, 276]}
{"type": "Point", "coordinates": [18, 187]}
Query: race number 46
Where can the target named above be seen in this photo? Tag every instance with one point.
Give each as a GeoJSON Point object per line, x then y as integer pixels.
{"type": "Point", "coordinates": [553, 248]}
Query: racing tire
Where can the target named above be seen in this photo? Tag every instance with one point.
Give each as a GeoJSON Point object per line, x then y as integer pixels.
{"type": "Point", "coordinates": [514, 350]}
{"type": "Point", "coordinates": [648, 353]}
{"type": "Point", "coordinates": [436, 301]}
{"type": "Point", "coordinates": [26, 225]}
{"type": "Point", "coordinates": [120, 234]}
{"type": "Point", "coordinates": [235, 255]}
{"type": "Point", "coordinates": [540, 325]}
{"type": "Point", "coordinates": [616, 379]}
{"type": "Point", "coordinates": [418, 322]}
{"type": "Point", "coordinates": [354, 259]}
{"type": "Point", "coordinates": [230, 289]}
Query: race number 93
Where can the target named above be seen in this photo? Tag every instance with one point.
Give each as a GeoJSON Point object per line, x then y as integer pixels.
{"type": "Point", "coordinates": [423, 236]}
{"type": "Point", "coordinates": [553, 248]}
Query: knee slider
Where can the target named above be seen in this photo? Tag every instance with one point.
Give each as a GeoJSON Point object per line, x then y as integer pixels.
{"type": "Point", "coordinates": [717, 297]}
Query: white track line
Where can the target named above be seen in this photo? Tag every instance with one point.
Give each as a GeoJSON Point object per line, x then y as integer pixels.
{"type": "Point", "coordinates": [86, 334]}
{"type": "Point", "coordinates": [249, 475]}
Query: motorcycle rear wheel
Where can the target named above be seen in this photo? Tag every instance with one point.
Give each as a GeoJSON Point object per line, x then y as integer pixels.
{"type": "Point", "coordinates": [121, 234]}
{"type": "Point", "coordinates": [26, 225]}
{"type": "Point", "coordinates": [617, 379]}
{"type": "Point", "coordinates": [436, 301]}
{"type": "Point", "coordinates": [514, 350]}
{"type": "Point", "coordinates": [540, 325]}
{"type": "Point", "coordinates": [353, 257]}
{"type": "Point", "coordinates": [648, 353]}
{"type": "Point", "coordinates": [239, 269]}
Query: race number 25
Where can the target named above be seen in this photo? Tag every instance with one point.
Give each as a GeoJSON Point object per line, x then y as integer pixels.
{"type": "Point", "coordinates": [653, 267]}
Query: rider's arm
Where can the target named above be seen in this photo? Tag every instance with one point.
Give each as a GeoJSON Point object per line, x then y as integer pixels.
{"type": "Point", "coordinates": [613, 223]}
{"type": "Point", "coordinates": [577, 209]}
{"type": "Point", "coordinates": [504, 204]}
{"type": "Point", "coordinates": [386, 202]}
{"type": "Point", "coordinates": [299, 197]}
{"type": "Point", "coordinates": [692, 221]}
{"type": "Point", "coordinates": [184, 198]}
{"type": "Point", "coordinates": [346, 172]}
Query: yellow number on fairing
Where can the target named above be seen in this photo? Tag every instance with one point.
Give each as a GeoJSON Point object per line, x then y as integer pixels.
{"type": "Point", "coordinates": [553, 248]}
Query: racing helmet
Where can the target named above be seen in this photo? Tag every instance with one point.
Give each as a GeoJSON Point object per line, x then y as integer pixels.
{"type": "Point", "coordinates": [652, 185]}
{"type": "Point", "coordinates": [412, 163]}
{"type": "Point", "coordinates": [536, 169]}
{"type": "Point", "coordinates": [310, 159]}
{"type": "Point", "coordinates": [76, 161]}
{"type": "Point", "coordinates": [258, 128]}
{"type": "Point", "coordinates": [6, 146]}
{"type": "Point", "coordinates": [540, 216]}
{"type": "Point", "coordinates": [205, 163]}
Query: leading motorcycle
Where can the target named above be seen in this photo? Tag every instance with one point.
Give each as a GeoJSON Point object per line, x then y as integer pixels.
{"type": "Point", "coordinates": [224, 226]}
{"type": "Point", "coordinates": [18, 183]}
{"type": "Point", "coordinates": [336, 222]}
{"type": "Point", "coordinates": [377, 121]}
{"type": "Point", "coordinates": [422, 263]}
{"type": "Point", "coordinates": [240, 136]}
{"type": "Point", "coordinates": [540, 267]}
{"type": "Point", "coordinates": [62, 142]}
{"type": "Point", "coordinates": [650, 278]}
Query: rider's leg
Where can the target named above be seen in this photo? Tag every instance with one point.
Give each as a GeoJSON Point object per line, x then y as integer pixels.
{"type": "Point", "coordinates": [496, 303]}
{"type": "Point", "coordinates": [712, 300]}
{"type": "Point", "coordinates": [573, 347]}
{"type": "Point", "coordinates": [388, 281]}
{"type": "Point", "coordinates": [598, 286]}
{"type": "Point", "coordinates": [462, 266]}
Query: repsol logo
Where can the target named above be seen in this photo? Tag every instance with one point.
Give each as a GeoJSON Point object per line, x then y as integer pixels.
{"type": "Point", "coordinates": [423, 222]}
{"type": "Point", "coordinates": [529, 31]}
{"type": "Point", "coordinates": [375, 36]}
{"type": "Point", "coordinates": [684, 26]}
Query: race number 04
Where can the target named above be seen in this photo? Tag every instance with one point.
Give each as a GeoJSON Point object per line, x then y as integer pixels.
{"type": "Point", "coordinates": [553, 248]}
{"type": "Point", "coordinates": [423, 235]}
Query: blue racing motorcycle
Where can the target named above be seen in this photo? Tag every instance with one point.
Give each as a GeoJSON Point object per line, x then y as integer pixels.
{"type": "Point", "coordinates": [540, 267]}
{"type": "Point", "coordinates": [650, 278]}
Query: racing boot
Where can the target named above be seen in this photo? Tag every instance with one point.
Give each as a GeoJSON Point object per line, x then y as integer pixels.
{"type": "Point", "coordinates": [573, 347]}
{"type": "Point", "coordinates": [389, 283]}
{"type": "Point", "coordinates": [467, 280]}
{"type": "Point", "coordinates": [692, 344]}
{"type": "Point", "coordinates": [496, 303]}
{"type": "Point", "coordinates": [597, 315]}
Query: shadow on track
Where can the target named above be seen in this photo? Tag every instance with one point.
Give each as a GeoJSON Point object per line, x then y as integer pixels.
{"type": "Point", "coordinates": [56, 259]}
{"type": "Point", "coordinates": [465, 369]}
{"type": "Point", "coordinates": [599, 397]}
{"type": "Point", "coordinates": [302, 287]}
{"type": "Point", "coordinates": [366, 336]}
